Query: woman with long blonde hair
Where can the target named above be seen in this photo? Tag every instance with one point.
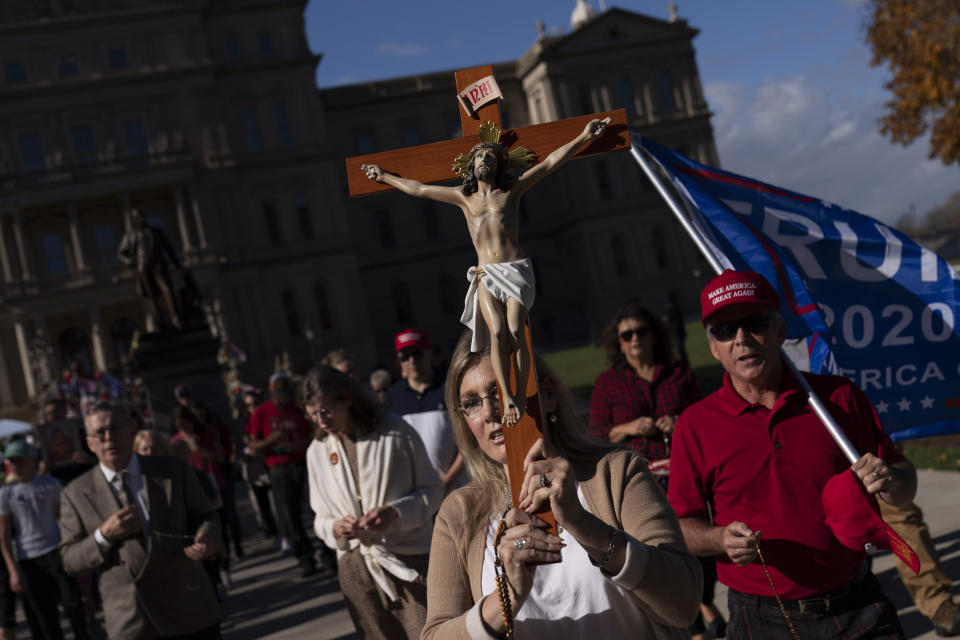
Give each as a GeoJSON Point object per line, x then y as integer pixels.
{"type": "Point", "coordinates": [619, 566]}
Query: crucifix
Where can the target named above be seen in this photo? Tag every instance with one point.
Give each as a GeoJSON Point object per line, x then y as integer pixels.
{"type": "Point", "coordinates": [501, 285]}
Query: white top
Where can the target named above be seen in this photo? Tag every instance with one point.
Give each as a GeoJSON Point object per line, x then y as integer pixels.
{"type": "Point", "coordinates": [392, 469]}
{"type": "Point", "coordinates": [436, 431]}
{"type": "Point", "coordinates": [572, 598]}
{"type": "Point", "coordinates": [33, 507]}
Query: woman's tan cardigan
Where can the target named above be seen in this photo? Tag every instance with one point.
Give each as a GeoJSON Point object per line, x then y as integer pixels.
{"type": "Point", "coordinates": [663, 576]}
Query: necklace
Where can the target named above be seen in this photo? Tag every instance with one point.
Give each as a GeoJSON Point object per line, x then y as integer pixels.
{"type": "Point", "coordinates": [506, 611]}
{"type": "Point", "coordinates": [783, 610]}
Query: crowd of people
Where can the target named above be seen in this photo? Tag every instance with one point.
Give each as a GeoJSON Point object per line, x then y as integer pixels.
{"type": "Point", "coordinates": [658, 493]}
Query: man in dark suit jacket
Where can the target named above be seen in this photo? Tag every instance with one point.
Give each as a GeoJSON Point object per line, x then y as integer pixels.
{"type": "Point", "coordinates": [144, 524]}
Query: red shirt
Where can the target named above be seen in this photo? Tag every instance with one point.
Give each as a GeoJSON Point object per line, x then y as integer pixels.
{"type": "Point", "coordinates": [291, 421]}
{"type": "Point", "coordinates": [767, 468]}
{"type": "Point", "coordinates": [620, 395]}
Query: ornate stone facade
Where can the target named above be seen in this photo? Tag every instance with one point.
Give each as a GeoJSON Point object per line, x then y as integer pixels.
{"type": "Point", "coordinates": [204, 115]}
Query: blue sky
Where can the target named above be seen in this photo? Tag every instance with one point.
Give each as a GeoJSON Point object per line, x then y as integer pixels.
{"type": "Point", "coordinates": [794, 98]}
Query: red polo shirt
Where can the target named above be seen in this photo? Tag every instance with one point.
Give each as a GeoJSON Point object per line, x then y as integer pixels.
{"type": "Point", "coordinates": [291, 421]}
{"type": "Point", "coordinates": [767, 468]}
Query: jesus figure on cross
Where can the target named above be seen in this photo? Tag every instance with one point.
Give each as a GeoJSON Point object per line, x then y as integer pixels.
{"type": "Point", "coordinates": [502, 283]}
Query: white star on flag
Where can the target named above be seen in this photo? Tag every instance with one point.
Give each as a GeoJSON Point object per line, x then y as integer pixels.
{"type": "Point", "coordinates": [882, 407]}
{"type": "Point", "coordinates": [926, 402]}
{"type": "Point", "coordinates": [904, 404]}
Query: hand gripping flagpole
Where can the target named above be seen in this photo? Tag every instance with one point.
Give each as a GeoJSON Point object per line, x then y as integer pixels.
{"type": "Point", "coordinates": [812, 399]}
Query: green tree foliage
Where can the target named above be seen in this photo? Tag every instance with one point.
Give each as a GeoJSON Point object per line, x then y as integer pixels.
{"type": "Point", "coordinates": [919, 41]}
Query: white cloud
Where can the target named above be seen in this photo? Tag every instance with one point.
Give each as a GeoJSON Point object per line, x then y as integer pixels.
{"type": "Point", "coordinates": [842, 131]}
{"type": "Point", "coordinates": [401, 49]}
{"type": "Point", "coordinates": [794, 135]}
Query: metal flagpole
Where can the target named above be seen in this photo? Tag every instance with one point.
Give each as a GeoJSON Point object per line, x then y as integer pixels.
{"type": "Point", "coordinates": [812, 399]}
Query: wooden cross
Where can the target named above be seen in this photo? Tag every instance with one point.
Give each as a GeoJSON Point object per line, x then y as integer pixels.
{"type": "Point", "coordinates": [432, 163]}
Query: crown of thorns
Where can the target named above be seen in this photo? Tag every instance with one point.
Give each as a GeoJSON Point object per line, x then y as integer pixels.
{"type": "Point", "coordinates": [518, 158]}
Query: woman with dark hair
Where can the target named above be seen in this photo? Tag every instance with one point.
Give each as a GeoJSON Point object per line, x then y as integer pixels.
{"type": "Point", "coordinates": [636, 401]}
{"type": "Point", "coordinates": [374, 493]}
{"type": "Point", "coordinates": [625, 570]}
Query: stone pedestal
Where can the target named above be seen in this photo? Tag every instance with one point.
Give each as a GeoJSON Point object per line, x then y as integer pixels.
{"type": "Point", "coordinates": [166, 359]}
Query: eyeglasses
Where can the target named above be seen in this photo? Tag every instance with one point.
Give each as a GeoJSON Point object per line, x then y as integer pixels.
{"type": "Point", "coordinates": [639, 332]}
{"type": "Point", "coordinates": [409, 355]}
{"type": "Point", "coordinates": [320, 414]}
{"type": "Point", "coordinates": [727, 331]}
{"type": "Point", "coordinates": [470, 406]}
{"type": "Point", "coordinates": [101, 434]}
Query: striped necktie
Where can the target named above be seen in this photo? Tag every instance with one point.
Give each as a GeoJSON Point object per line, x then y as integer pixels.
{"type": "Point", "coordinates": [127, 498]}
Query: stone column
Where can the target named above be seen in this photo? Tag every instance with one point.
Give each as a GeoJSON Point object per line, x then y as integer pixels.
{"type": "Point", "coordinates": [688, 96]}
{"type": "Point", "coordinates": [6, 375]}
{"type": "Point", "coordinates": [23, 249]}
{"type": "Point", "coordinates": [4, 254]}
{"type": "Point", "coordinates": [96, 338]}
{"type": "Point", "coordinates": [198, 218]}
{"type": "Point", "coordinates": [75, 238]}
{"type": "Point", "coordinates": [42, 352]}
{"type": "Point", "coordinates": [182, 219]}
{"type": "Point", "coordinates": [23, 347]}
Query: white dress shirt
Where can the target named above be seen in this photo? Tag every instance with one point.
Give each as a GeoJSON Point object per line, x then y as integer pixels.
{"type": "Point", "coordinates": [137, 487]}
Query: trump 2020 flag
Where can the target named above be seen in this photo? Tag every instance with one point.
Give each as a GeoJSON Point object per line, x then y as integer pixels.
{"type": "Point", "coordinates": [874, 305]}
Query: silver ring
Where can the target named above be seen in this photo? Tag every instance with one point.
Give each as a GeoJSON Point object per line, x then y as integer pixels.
{"type": "Point", "coordinates": [543, 480]}
{"type": "Point", "coordinates": [520, 544]}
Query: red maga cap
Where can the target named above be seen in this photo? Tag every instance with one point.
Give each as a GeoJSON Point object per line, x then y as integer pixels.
{"type": "Point", "coordinates": [853, 516]}
{"type": "Point", "coordinates": [736, 287]}
{"type": "Point", "coordinates": [410, 338]}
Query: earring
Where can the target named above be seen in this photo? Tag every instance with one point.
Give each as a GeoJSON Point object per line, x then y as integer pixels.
{"type": "Point", "coordinates": [552, 417]}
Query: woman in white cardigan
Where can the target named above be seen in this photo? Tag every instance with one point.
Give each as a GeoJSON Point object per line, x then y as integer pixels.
{"type": "Point", "coordinates": [374, 493]}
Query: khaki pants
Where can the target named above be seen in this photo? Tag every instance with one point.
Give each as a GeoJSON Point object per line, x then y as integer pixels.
{"type": "Point", "coordinates": [930, 588]}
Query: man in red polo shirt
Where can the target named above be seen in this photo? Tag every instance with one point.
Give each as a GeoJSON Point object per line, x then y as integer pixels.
{"type": "Point", "coordinates": [280, 431]}
{"type": "Point", "coordinates": [755, 456]}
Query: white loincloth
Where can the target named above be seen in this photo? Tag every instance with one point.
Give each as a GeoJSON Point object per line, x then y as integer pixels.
{"type": "Point", "coordinates": [503, 280]}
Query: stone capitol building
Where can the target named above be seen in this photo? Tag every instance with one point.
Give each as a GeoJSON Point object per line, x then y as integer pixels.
{"type": "Point", "coordinates": [205, 116]}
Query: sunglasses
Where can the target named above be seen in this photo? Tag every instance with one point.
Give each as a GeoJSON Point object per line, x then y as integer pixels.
{"type": "Point", "coordinates": [639, 332]}
{"type": "Point", "coordinates": [727, 331]}
{"type": "Point", "coordinates": [320, 414]}
{"type": "Point", "coordinates": [410, 355]}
